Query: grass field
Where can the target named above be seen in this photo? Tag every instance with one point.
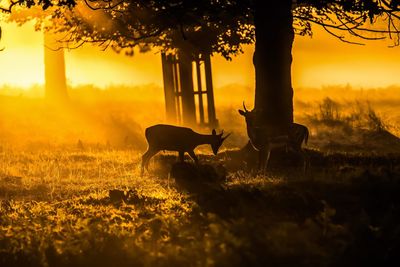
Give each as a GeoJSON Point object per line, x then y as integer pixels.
{"type": "Point", "coordinates": [92, 208]}
{"type": "Point", "coordinates": [71, 193]}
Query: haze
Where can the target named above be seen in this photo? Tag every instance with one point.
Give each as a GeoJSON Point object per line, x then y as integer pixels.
{"type": "Point", "coordinates": [318, 61]}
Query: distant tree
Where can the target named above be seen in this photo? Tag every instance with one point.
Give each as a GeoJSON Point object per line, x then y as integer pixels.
{"type": "Point", "coordinates": [55, 80]}
{"type": "Point", "coordinates": [54, 69]}
{"type": "Point", "coordinates": [223, 26]}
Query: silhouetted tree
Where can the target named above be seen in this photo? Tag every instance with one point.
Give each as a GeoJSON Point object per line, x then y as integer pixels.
{"type": "Point", "coordinates": [223, 26]}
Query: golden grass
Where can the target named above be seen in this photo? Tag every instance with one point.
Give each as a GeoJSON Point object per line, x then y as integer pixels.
{"type": "Point", "coordinates": [56, 210]}
{"type": "Point", "coordinates": [58, 166]}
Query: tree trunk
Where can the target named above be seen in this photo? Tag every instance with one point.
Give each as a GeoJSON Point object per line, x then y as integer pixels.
{"type": "Point", "coordinates": [55, 80]}
{"type": "Point", "coordinates": [212, 117]}
{"type": "Point", "coordinates": [169, 88]}
{"type": "Point", "coordinates": [272, 61]}
{"type": "Point", "coordinates": [186, 83]}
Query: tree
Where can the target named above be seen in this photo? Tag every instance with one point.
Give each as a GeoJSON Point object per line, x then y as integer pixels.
{"type": "Point", "coordinates": [54, 64]}
{"type": "Point", "coordinates": [223, 26]}
{"type": "Point", "coordinates": [55, 79]}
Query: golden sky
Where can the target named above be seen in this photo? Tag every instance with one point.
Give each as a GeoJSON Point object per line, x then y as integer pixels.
{"type": "Point", "coordinates": [318, 61]}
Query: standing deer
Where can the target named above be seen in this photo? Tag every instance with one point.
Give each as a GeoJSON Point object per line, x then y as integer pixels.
{"type": "Point", "coordinates": [267, 138]}
{"type": "Point", "coordinates": [173, 138]}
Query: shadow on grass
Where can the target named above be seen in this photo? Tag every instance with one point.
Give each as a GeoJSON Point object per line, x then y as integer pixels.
{"type": "Point", "coordinates": [204, 183]}
{"type": "Point", "coordinates": [357, 219]}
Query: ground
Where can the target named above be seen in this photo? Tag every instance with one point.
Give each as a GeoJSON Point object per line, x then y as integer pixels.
{"type": "Point", "coordinates": [71, 193]}
{"type": "Point", "coordinates": [92, 208]}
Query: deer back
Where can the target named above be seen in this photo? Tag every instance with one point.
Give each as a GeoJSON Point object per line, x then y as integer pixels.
{"type": "Point", "coordinates": [298, 134]}
{"type": "Point", "coordinates": [169, 137]}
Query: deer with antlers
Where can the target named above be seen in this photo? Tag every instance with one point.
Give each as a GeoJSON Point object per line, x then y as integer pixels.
{"type": "Point", "coordinates": [267, 138]}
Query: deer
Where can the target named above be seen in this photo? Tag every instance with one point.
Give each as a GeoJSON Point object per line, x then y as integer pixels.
{"type": "Point", "coordinates": [180, 139]}
{"type": "Point", "coordinates": [264, 139]}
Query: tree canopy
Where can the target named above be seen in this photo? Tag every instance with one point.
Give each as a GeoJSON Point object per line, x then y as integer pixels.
{"type": "Point", "coordinates": [221, 26]}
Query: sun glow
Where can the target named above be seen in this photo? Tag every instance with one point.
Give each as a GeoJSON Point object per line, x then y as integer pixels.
{"type": "Point", "coordinates": [22, 75]}
{"type": "Point", "coordinates": [22, 58]}
{"type": "Point", "coordinates": [324, 60]}
{"type": "Point", "coordinates": [317, 61]}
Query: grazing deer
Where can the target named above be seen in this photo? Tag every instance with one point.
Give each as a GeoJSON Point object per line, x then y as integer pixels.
{"type": "Point", "coordinates": [265, 139]}
{"type": "Point", "coordinates": [180, 139]}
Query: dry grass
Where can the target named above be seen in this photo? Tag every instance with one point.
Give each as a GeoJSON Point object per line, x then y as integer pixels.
{"type": "Point", "coordinates": [70, 208]}
{"type": "Point", "coordinates": [71, 193]}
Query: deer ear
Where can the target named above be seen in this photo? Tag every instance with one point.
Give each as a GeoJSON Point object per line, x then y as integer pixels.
{"type": "Point", "coordinates": [241, 112]}
{"type": "Point", "coordinates": [214, 132]}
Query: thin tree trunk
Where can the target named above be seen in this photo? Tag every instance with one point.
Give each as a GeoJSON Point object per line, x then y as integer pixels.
{"type": "Point", "coordinates": [169, 90]}
{"type": "Point", "coordinates": [186, 80]}
{"type": "Point", "coordinates": [55, 80]}
{"type": "Point", "coordinates": [272, 61]}
{"type": "Point", "coordinates": [212, 117]}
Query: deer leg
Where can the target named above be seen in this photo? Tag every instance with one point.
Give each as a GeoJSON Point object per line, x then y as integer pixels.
{"type": "Point", "coordinates": [260, 164]}
{"type": "Point", "coordinates": [306, 161]}
{"type": "Point", "coordinates": [263, 160]}
{"type": "Point", "coordinates": [146, 158]}
{"type": "Point", "coordinates": [181, 156]}
{"type": "Point", "coordinates": [266, 161]}
{"type": "Point", "coordinates": [193, 156]}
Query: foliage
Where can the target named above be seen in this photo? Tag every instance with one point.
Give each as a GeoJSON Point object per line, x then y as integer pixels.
{"type": "Point", "coordinates": [44, 4]}
{"type": "Point", "coordinates": [362, 116]}
{"type": "Point", "coordinates": [375, 121]}
{"type": "Point", "coordinates": [328, 111]}
{"type": "Point", "coordinates": [204, 26]}
{"type": "Point", "coordinates": [352, 126]}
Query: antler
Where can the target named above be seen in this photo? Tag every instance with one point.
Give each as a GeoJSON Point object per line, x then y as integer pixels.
{"type": "Point", "coordinates": [244, 106]}
{"type": "Point", "coordinates": [226, 136]}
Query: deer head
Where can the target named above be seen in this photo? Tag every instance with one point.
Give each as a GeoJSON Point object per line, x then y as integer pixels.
{"type": "Point", "coordinates": [217, 140]}
{"type": "Point", "coordinates": [249, 116]}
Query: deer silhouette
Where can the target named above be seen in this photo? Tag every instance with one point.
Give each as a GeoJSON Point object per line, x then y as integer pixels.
{"type": "Point", "coordinates": [181, 139]}
{"type": "Point", "coordinates": [267, 138]}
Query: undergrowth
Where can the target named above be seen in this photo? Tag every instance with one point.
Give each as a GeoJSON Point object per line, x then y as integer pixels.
{"type": "Point", "coordinates": [351, 127]}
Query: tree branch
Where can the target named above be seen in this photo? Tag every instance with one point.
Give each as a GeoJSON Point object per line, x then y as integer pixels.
{"type": "Point", "coordinates": [110, 6]}
{"type": "Point", "coordinates": [9, 8]}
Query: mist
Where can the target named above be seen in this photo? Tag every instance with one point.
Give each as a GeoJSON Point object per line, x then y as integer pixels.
{"type": "Point", "coordinates": [115, 117]}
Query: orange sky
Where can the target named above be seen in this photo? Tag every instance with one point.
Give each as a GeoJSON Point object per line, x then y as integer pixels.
{"type": "Point", "coordinates": [318, 61]}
